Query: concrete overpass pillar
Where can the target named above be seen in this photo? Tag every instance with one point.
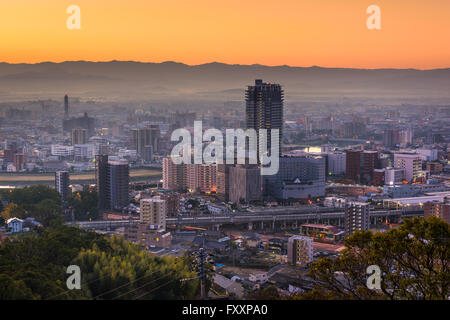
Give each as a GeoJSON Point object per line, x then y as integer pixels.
{"type": "Point", "coordinates": [250, 226]}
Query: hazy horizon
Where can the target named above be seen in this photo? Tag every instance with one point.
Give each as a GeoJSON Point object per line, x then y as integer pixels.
{"type": "Point", "coordinates": [223, 63]}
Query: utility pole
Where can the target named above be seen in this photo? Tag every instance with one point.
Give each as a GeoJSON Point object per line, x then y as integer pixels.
{"type": "Point", "coordinates": [202, 274]}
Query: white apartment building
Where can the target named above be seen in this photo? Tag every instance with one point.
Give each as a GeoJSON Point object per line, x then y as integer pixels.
{"type": "Point", "coordinates": [154, 212]}
{"type": "Point", "coordinates": [300, 250]}
{"type": "Point", "coordinates": [411, 163]}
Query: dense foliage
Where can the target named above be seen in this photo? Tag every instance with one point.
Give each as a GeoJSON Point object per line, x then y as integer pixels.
{"type": "Point", "coordinates": [84, 204]}
{"type": "Point", "coordinates": [40, 202]}
{"type": "Point", "coordinates": [33, 266]}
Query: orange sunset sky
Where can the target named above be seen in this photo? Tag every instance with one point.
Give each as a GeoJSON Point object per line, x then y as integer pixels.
{"type": "Point", "coordinates": [329, 33]}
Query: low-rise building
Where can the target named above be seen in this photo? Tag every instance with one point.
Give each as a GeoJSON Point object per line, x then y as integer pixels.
{"type": "Point", "coordinates": [15, 225]}
{"type": "Point", "coordinates": [300, 250]}
{"type": "Point", "coordinates": [147, 236]}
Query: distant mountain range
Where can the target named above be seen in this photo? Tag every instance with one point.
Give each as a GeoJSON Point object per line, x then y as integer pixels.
{"type": "Point", "coordinates": [128, 80]}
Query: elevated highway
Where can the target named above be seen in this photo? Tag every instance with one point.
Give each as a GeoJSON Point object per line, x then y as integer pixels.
{"type": "Point", "coordinates": [266, 217]}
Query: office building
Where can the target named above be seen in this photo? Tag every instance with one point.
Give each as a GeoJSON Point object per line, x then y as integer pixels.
{"type": "Point", "coordinates": [298, 177]}
{"type": "Point", "coordinates": [300, 250]}
{"type": "Point", "coordinates": [356, 217]}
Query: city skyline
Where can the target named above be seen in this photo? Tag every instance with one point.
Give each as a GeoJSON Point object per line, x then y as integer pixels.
{"type": "Point", "coordinates": [246, 151]}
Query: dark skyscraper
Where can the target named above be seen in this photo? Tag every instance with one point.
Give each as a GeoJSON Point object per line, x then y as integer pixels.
{"type": "Point", "coordinates": [101, 172]}
{"type": "Point", "coordinates": [353, 165]}
{"type": "Point", "coordinates": [62, 182]}
{"type": "Point", "coordinates": [66, 107]}
{"type": "Point", "coordinates": [264, 109]}
{"type": "Point", "coordinates": [112, 178]}
{"type": "Point", "coordinates": [118, 184]}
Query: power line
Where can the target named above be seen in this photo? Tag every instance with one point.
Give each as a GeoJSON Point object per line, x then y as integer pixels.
{"type": "Point", "coordinates": [121, 295]}
{"type": "Point", "coordinates": [84, 284]}
{"type": "Point", "coordinates": [164, 284]}
{"type": "Point", "coordinates": [126, 284]}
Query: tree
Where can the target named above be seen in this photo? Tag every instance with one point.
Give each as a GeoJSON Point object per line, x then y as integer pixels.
{"type": "Point", "coordinates": [30, 195]}
{"type": "Point", "coordinates": [12, 210]}
{"type": "Point", "coordinates": [85, 204]}
{"type": "Point", "coordinates": [11, 289]}
{"type": "Point", "coordinates": [413, 259]}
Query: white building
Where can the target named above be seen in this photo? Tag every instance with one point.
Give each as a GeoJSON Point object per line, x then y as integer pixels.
{"type": "Point", "coordinates": [62, 151]}
{"type": "Point", "coordinates": [300, 250]}
{"type": "Point", "coordinates": [428, 154]}
{"type": "Point", "coordinates": [393, 176]}
{"type": "Point", "coordinates": [154, 211]}
{"type": "Point", "coordinates": [336, 163]}
{"type": "Point", "coordinates": [411, 163]}
{"type": "Point", "coordinates": [87, 151]}
{"type": "Point", "coordinates": [125, 153]}
{"type": "Point", "coordinates": [14, 225]}
{"type": "Point", "coordinates": [334, 202]}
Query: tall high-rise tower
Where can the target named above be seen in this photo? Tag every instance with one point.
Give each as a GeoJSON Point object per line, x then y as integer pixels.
{"type": "Point", "coordinates": [62, 182]}
{"type": "Point", "coordinates": [66, 107]}
{"type": "Point", "coordinates": [264, 109]}
{"type": "Point", "coordinates": [112, 178]}
{"type": "Point", "coordinates": [101, 173]}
